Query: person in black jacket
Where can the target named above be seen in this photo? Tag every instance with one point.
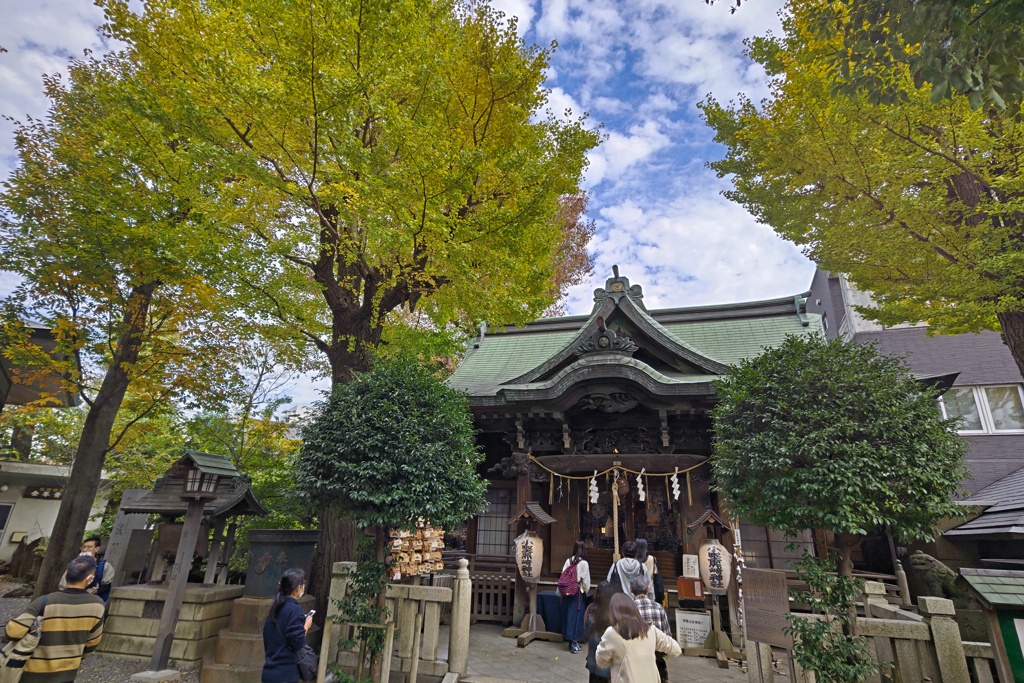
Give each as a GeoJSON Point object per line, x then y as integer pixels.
{"type": "Point", "coordinates": [284, 631]}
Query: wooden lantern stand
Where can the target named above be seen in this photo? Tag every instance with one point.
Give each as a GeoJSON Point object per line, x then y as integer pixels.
{"type": "Point", "coordinates": [718, 640]}
{"type": "Point", "coordinates": [533, 626]}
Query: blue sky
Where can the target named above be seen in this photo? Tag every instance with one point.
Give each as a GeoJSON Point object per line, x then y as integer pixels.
{"type": "Point", "coordinates": [637, 67]}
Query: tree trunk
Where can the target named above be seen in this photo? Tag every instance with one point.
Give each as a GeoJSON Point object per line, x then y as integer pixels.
{"type": "Point", "coordinates": [1012, 324]}
{"type": "Point", "coordinates": [84, 479]}
{"type": "Point", "coordinates": [336, 543]}
{"type": "Point", "coordinates": [845, 544]}
{"type": "Point", "coordinates": [338, 536]}
{"type": "Point", "coordinates": [21, 441]}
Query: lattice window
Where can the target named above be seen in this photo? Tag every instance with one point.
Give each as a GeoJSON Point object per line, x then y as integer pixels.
{"type": "Point", "coordinates": [493, 533]}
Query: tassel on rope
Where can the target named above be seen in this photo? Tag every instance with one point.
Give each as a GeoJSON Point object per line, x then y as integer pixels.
{"type": "Point", "coordinates": [551, 489]}
{"type": "Point", "coordinates": [689, 489]}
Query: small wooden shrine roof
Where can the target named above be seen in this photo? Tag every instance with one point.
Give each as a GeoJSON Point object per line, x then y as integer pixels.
{"type": "Point", "coordinates": [533, 511]}
{"type": "Point", "coordinates": [207, 463]}
{"type": "Point", "coordinates": [233, 495]}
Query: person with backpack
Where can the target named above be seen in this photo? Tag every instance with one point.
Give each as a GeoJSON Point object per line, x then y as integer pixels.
{"type": "Point", "coordinates": [657, 583]}
{"type": "Point", "coordinates": [100, 585]}
{"type": "Point", "coordinates": [627, 567]}
{"type": "Point", "coordinates": [573, 585]}
{"type": "Point", "coordinates": [70, 627]}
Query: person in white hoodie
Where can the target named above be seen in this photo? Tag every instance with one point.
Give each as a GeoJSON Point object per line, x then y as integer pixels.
{"type": "Point", "coordinates": [627, 647]}
{"type": "Point", "coordinates": [627, 567]}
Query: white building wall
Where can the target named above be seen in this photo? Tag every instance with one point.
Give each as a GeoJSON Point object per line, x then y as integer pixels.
{"type": "Point", "coordinates": [855, 323]}
{"type": "Point", "coordinates": [35, 517]}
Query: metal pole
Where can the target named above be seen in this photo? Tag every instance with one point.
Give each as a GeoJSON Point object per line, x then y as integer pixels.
{"type": "Point", "coordinates": [176, 585]}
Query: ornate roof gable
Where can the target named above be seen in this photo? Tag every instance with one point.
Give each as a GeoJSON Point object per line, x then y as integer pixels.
{"type": "Point", "coordinates": [620, 301]}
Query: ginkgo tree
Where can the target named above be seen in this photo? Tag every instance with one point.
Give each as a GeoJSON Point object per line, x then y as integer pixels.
{"type": "Point", "coordinates": [370, 157]}
{"type": "Point", "coordinates": [97, 222]}
{"type": "Point", "coordinates": [919, 202]}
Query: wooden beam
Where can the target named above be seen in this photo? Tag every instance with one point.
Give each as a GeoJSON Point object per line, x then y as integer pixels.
{"type": "Point", "coordinates": [654, 463]}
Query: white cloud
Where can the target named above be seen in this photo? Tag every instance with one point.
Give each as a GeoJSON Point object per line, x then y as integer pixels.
{"type": "Point", "coordinates": [521, 9]}
{"type": "Point", "coordinates": [40, 36]}
{"type": "Point", "coordinates": [620, 151]}
{"type": "Point", "coordinates": [694, 248]}
{"type": "Point", "coordinates": [559, 102]}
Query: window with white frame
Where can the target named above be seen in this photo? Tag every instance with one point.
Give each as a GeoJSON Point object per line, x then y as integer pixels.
{"type": "Point", "coordinates": [985, 410]}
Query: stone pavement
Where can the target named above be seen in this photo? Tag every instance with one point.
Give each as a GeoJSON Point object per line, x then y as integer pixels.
{"type": "Point", "coordinates": [498, 659]}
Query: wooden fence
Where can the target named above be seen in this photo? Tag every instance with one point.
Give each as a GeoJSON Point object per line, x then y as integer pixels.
{"type": "Point", "coordinates": [909, 647]}
{"type": "Point", "coordinates": [416, 614]}
{"type": "Point", "coordinates": [494, 586]}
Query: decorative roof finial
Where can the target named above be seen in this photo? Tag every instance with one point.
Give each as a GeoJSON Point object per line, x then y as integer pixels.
{"type": "Point", "coordinates": [617, 287]}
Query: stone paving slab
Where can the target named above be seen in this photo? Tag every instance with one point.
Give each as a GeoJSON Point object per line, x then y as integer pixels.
{"type": "Point", "coordinates": [493, 659]}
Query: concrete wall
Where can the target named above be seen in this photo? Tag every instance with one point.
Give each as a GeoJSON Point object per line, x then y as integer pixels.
{"type": "Point", "coordinates": [34, 516]}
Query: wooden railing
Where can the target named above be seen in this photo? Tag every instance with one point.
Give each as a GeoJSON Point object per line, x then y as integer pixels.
{"type": "Point", "coordinates": [909, 647]}
{"type": "Point", "coordinates": [494, 586]}
{"type": "Point", "coordinates": [415, 613]}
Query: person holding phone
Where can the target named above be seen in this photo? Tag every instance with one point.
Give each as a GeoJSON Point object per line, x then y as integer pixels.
{"type": "Point", "coordinates": [284, 630]}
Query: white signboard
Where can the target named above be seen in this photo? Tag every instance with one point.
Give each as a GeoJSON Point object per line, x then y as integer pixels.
{"type": "Point", "coordinates": [691, 567]}
{"type": "Point", "coordinates": [692, 628]}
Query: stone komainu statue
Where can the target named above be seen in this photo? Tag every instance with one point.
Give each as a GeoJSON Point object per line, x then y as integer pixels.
{"type": "Point", "coordinates": [939, 580]}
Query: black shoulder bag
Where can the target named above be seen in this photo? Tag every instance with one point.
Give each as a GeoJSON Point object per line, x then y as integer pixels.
{"type": "Point", "coordinates": [309, 662]}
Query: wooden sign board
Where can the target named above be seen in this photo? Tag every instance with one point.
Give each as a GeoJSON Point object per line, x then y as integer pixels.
{"type": "Point", "coordinates": [691, 566]}
{"type": "Point", "coordinates": [766, 607]}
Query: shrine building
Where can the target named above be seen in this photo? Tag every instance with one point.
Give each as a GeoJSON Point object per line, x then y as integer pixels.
{"type": "Point", "coordinates": [621, 391]}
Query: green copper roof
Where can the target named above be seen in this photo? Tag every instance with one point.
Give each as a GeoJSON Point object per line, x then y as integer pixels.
{"type": "Point", "coordinates": [722, 333]}
{"type": "Point", "coordinates": [731, 341]}
{"type": "Point", "coordinates": [996, 587]}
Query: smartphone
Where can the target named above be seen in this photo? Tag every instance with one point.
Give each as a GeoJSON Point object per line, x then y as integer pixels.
{"type": "Point", "coordinates": [310, 613]}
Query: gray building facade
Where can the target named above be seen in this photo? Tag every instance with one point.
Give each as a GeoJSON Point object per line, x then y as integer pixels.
{"type": "Point", "coordinates": [988, 393]}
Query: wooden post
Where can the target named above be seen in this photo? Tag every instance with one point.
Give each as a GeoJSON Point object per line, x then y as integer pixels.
{"type": "Point", "coordinates": [229, 547]}
{"type": "Point", "coordinates": [214, 556]}
{"type": "Point", "coordinates": [176, 584]}
{"type": "Point", "coordinates": [995, 637]}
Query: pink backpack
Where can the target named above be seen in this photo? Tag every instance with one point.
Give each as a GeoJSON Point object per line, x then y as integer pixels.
{"type": "Point", "coordinates": [568, 582]}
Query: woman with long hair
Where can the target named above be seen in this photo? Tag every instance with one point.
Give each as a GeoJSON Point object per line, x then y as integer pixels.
{"type": "Point", "coordinates": [628, 645]}
{"type": "Point", "coordinates": [284, 630]}
{"type": "Point", "coordinates": [596, 621]}
{"type": "Point", "coordinates": [574, 601]}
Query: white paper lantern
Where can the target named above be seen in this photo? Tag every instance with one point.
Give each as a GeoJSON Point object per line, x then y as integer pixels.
{"type": "Point", "coordinates": [715, 567]}
{"type": "Point", "coordinates": [529, 556]}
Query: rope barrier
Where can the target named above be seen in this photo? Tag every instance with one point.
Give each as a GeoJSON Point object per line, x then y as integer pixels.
{"type": "Point", "coordinates": [613, 468]}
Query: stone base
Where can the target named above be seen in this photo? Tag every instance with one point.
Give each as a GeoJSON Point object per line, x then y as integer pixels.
{"type": "Point", "coordinates": [134, 620]}
{"type": "Point", "coordinates": [165, 676]}
{"type": "Point", "coordinates": [238, 655]}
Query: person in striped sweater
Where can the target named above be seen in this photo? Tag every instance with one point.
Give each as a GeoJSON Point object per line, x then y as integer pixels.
{"type": "Point", "coordinates": [72, 626]}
